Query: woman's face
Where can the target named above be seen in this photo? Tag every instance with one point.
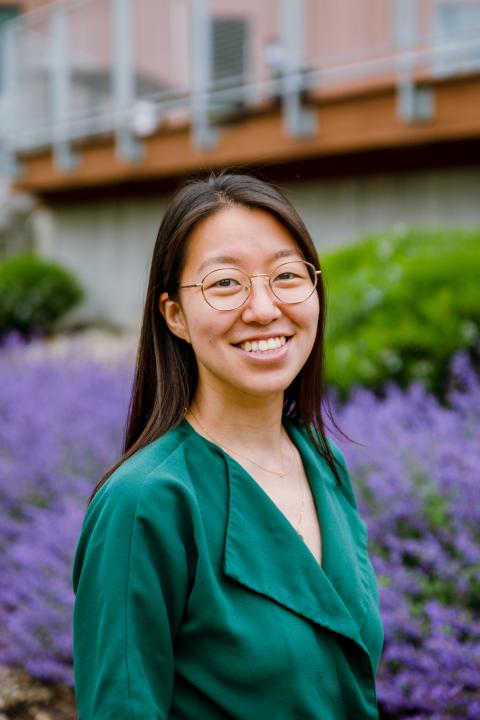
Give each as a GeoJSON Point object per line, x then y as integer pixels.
{"type": "Point", "coordinates": [253, 241]}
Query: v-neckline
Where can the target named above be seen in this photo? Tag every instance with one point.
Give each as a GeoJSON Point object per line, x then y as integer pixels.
{"type": "Point", "coordinates": [263, 552]}
{"type": "Point", "coordinates": [314, 488]}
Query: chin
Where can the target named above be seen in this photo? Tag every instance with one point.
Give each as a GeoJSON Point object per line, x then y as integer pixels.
{"type": "Point", "coordinates": [265, 389]}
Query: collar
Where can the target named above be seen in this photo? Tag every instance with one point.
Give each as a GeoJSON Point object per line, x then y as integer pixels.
{"type": "Point", "coordinates": [264, 553]}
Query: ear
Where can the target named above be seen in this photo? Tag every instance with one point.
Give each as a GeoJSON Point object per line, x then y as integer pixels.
{"type": "Point", "coordinates": [174, 316]}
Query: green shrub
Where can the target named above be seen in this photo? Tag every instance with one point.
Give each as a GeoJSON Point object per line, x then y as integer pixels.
{"type": "Point", "coordinates": [34, 294]}
{"type": "Point", "coordinates": [400, 304]}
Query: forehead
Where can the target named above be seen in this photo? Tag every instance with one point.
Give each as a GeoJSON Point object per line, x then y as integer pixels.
{"type": "Point", "coordinates": [248, 234]}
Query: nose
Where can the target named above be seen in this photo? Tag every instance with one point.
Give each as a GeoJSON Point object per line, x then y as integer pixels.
{"type": "Point", "coordinates": [262, 305]}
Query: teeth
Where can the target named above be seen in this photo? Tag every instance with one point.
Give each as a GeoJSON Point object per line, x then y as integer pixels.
{"type": "Point", "coordinates": [262, 345]}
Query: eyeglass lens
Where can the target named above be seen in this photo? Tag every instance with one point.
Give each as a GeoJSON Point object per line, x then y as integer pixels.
{"type": "Point", "coordinates": [228, 288]}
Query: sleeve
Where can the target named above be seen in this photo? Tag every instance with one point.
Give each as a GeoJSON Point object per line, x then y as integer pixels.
{"type": "Point", "coordinates": [133, 569]}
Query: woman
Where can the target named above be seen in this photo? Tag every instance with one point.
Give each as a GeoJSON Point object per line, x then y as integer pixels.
{"type": "Point", "coordinates": [223, 570]}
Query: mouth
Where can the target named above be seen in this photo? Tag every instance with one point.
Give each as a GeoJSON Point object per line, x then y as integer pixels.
{"type": "Point", "coordinates": [264, 345]}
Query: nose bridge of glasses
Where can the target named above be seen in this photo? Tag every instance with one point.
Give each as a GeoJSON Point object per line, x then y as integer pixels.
{"type": "Point", "coordinates": [266, 281]}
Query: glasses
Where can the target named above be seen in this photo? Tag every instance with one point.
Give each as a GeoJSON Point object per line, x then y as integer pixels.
{"type": "Point", "coordinates": [229, 288]}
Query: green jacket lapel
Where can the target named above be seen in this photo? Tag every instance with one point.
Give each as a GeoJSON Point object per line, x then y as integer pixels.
{"type": "Point", "coordinates": [345, 558]}
{"type": "Point", "coordinates": [264, 553]}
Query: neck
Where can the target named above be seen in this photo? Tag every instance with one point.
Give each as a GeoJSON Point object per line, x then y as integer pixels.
{"type": "Point", "coordinates": [249, 424]}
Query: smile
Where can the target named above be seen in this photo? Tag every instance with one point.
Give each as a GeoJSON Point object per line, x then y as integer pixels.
{"type": "Point", "coordinates": [263, 345]}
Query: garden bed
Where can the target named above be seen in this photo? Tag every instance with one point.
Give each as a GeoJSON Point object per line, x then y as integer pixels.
{"type": "Point", "coordinates": [415, 470]}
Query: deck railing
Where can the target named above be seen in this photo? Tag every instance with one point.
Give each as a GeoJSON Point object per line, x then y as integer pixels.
{"type": "Point", "coordinates": [80, 70]}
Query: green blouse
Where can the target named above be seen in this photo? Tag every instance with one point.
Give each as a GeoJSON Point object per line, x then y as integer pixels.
{"type": "Point", "coordinates": [197, 600]}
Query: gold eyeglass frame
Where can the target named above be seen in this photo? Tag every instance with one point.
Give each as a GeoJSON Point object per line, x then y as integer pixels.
{"type": "Point", "coordinates": [250, 285]}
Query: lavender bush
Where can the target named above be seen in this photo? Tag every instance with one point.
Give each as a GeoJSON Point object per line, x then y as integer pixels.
{"type": "Point", "coordinates": [417, 479]}
{"type": "Point", "coordinates": [61, 424]}
{"type": "Point", "coordinates": [416, 475]}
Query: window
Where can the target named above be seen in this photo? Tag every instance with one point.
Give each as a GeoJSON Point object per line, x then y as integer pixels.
{"type": "Point", "coordinates": [6, 13]}
{"type": "Point", "coordinates": [229, 62]}
{"type": "Point", "coordinates": [456, 23]}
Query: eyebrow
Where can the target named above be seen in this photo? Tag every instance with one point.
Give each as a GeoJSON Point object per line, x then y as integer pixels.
{"type": "Point", "coordinates": [229, 259]}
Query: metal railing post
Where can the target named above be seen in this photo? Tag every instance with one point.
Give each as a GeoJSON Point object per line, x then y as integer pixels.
{"type": "Point", "coordinates": [123, 80]}
{"type": "Point", "coordinates": [298, 120]}
{"type": "Point", "coordinates": [60, 89]}
{"type": "Point", "coordinates": [204, 136]}
{"type": "Point", "coordinates": [9, 166]}
{"type": "Point", "coordinates": [413, 103]}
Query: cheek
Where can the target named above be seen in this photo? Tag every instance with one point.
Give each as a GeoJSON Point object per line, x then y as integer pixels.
{"type": "Point", "coordinates": [309, 313]}
{"type": "Point", "coordinates": [309, 324]}
{"type": "Point", "coordinates": [315, 309]}
{"type": "Point", "coordinates": [207, 329]}
{"type": "Point", "coordinates": [316, 305]}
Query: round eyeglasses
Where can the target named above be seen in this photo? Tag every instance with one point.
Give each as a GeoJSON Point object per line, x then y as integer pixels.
{"type": "Point", "coordinates": [229, 288]}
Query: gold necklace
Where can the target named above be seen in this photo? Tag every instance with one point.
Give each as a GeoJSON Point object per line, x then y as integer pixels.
{"type": "Point", "coordinates": [235, 452]}
{"type": "Point", "coordinates": [296, 461]}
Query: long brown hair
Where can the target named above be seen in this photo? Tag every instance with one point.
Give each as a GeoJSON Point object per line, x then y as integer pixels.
{"type": "Point", "coordinates": [166, 374]}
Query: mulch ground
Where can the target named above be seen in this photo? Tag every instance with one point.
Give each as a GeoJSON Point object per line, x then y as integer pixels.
{"type": "Point", "coordinates": [24, 698]}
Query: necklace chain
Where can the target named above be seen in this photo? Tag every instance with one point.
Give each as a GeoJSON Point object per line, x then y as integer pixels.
{"type": "Point", "coordinates": [235, 452]}
{"type": "Point", "coordinates": [295, 462]}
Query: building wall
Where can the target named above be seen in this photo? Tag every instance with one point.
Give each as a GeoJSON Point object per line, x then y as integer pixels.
{"type": "Point", "coordinates": [108, 243]}
{"type": "Point", "coordinates": [339, 211]}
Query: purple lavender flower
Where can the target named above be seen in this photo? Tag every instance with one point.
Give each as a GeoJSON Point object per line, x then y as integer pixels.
{"type": "Point", "coordinates": [61, 425]}
{"type": "Point", "coordinates": [417, 476]}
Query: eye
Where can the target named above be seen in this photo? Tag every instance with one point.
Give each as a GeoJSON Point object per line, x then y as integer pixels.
{"type": "Point", "coordinates": [286, 276]}
{"type": "Point", "coordinates": [226, 283]}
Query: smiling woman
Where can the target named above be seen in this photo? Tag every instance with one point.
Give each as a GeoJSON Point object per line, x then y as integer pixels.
{"type": "Point", "coordinates": [223, 568]}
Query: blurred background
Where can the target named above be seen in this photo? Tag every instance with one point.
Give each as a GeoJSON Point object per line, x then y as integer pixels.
{"type": "Point", "coordinates": [367, 114]}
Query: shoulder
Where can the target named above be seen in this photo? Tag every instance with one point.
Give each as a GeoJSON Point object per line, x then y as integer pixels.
{"type": "Point", "coordinates": [157, 475]}
{"type": "Point", "coordinates": [150, 498]}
